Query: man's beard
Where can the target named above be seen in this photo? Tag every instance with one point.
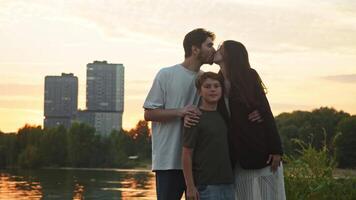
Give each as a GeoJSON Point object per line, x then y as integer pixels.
{"type": "Point", "coordinates": [206, 60]}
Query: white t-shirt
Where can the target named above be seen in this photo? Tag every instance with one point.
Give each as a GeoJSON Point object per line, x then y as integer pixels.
{"type": "Point", "coordinates": [173, 87]}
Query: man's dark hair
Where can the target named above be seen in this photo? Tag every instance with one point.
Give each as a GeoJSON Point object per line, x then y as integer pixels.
{"type": "Point", "coordinates": [204, 76]}
{"type": "Point", "coordinates": [196, 38]}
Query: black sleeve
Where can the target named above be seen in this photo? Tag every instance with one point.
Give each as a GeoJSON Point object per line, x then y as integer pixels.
{"type": "Point", "coordinates": [273, 138]}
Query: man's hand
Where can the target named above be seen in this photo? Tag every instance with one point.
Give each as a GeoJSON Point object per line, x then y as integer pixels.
{"type": "Point", "coordinates": [275, 160]}
{"type": "Point", "coordinates": [191, 116]}
{"type": "Point", "coordinates": [255, 116]}
{"type": "Point", "coordinates": [191, 120]}
{"type": "Point", "coordinates": [189, 110]}
{"type": "Point", "coordinates": [192, 193]}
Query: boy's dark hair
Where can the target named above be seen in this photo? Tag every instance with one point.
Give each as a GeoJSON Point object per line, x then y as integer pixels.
{"type": "Point", "coordinates": [203, 77]}
{"type": "Point", "coordinates": [196, 38]}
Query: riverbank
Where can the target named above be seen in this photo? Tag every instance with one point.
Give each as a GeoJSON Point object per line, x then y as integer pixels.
{"type": "Point", "coordinates": [99, 169]}
{"type": "Point", "coordinates": [138, 166]}
{"type": "Point", "coordinates": [146, 167]}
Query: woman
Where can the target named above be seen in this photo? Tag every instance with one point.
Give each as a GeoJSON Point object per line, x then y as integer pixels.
{"type": "Point", "coordinates": [255, 146]}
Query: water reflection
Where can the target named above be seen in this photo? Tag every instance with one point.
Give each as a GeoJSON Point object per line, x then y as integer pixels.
{"type": "Point", "coordinates": [13, 187]}
{"type": "Point", "coordinates": [76, 184]}
{"type": "Point", "coordinates": [78, 192]}
{"type": "Point", "coordinates": [137, 185]}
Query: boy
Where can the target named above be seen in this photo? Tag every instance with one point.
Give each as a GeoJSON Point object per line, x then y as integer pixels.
{"type": "Point", "coordinates": [206, 164]}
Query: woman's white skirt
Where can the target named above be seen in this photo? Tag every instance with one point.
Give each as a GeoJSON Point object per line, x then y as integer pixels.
{"type": "Point", "coordinates": [259, 184]}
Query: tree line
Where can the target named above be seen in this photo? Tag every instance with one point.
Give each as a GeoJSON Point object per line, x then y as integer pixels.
{"type": "Point", "coordinates": [321, 128]}
{"type": "Point", "coordinates": [80, 146]}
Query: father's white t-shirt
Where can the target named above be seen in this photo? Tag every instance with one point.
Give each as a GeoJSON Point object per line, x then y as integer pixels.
{"type": "Point", "coordinates": [173, 88]}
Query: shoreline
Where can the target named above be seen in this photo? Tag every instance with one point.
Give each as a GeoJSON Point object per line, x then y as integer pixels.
{"type": "Point", "coordinates": [99, 169]}
{"type": "Point", "coordinates": [146, 168]}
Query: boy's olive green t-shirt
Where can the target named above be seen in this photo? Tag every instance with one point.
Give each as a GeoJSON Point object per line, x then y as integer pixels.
{"type": "Point", "coordinates": [208, 139]}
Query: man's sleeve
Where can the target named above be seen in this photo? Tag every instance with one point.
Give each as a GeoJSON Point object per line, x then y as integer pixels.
{"type": "Point", "coordinates": [156, 96]}
{"type": "Point", "coordinates": [190, 137]}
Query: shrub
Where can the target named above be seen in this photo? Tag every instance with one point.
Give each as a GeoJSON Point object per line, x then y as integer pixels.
{"type": "Point", "coordinates": [310, 176]}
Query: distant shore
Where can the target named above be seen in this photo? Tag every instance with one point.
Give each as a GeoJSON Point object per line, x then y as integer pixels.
{"type": "Point", "coordinates": [338, 173]}
{"type": "Point", "coordinates": [100, 169]}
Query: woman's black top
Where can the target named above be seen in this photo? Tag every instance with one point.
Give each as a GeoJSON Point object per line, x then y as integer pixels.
{"type": "Point", "coordinates": [251, 142]}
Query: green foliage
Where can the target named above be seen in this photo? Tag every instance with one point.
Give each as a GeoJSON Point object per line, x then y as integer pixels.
{"type": "Point", "coordinates": [117, 142]}
{"type": "Point", "coordinates": [52, 147]}
{"type": "Point", "coordinates": [313, 127]}
{"type": "Point", "coordinates": [29, 157]}
{"type": "Point", "coordinates": [79, 143]}
{"type": "Point", "coordinates": [142, 139]}
{"type": "Point", "coordinates": [8, 151]}
{"type": "Point", "coordinates": [346, 143]}
{"type": "Point", "coordinates": [80, 146]}
{"type": "Point", "coordinates": [310, 176]}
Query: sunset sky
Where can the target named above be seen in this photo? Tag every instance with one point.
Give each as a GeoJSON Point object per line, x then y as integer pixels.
{"type": "Point", "coordinates": [305, 51]}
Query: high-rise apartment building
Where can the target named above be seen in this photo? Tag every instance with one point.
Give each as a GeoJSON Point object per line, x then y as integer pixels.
{"type": "Point", "coordinates": [105, 97]}
{"type": "Point", "coordinates": [60, 100]}
{"type": "Point", "coordinates": [105, 87]}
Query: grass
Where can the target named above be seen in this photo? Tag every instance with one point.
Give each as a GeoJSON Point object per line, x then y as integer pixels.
{"type": "Point", "coordinates": [313, 176]}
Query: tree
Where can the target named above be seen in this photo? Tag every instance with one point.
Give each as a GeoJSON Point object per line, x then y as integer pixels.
{"type": "Point", "coordinates": [324, 121]}
{"type": "Point", "coordinates": [8, 151]}
{"type": "Point", "coordinates": [28, 141]}
{"type": "Point", "coordinates": [80, 144]}
{"type": "Point", "coordinates": [310, 127]}
{"type": "Point", "coordinates": [295, 125]}
{"type": "Point", "coordinates": [118, 148]}
{"type": "Point", "coordinates": [29, 157]}
{"type": "Point", "coordinates": [142, 139]}
{"type": "Point", "coordinates": [346, 142]}
{"type": "Point", "coordinates": [53, 145]}
{"type": "Point", "coordinates": [2, 151]}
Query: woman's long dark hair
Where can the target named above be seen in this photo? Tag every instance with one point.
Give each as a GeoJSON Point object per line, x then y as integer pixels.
{"type": "Point", "coordinates": [243, 78]}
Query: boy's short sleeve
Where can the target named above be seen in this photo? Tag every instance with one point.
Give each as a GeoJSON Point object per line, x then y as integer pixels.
{"type": "Point", "coordinates": [190, 137]}
{"type": "Point", "coordinates": [156, 96]}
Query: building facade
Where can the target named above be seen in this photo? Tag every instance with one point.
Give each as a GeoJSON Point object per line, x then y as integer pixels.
{"type": "Point", "coordinates": [60, 100]}
{"type": "Point", "coordinates": [104, 97]}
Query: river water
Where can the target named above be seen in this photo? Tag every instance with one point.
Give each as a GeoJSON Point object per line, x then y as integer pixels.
{"type": "Point", "coordinates": [77, 184]}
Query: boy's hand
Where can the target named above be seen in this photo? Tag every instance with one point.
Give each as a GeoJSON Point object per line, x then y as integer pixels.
{"type": "Point", "coordinates": [192, 193]}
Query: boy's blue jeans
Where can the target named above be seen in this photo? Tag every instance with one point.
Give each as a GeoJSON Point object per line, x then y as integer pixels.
{"type": "Point", "coordinates": [216, 192]}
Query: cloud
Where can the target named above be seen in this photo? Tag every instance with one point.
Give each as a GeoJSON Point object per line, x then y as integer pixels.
{"type": "Point", "coordinates": [345, 78]}
{"type": "Point", "coordinates": [274, 26]}
{"type": "Point", "coordinates": [22, 110]}
{"type": "Point", "coordinates": [29, 90]}
{"type": "Point", "coordinates": [66, 35]}
{"type": "Point", "coordinates": [279, 27]}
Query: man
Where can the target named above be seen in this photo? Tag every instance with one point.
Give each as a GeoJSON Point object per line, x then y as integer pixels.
{"type": "Point", "coordinates": [172, 96]}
